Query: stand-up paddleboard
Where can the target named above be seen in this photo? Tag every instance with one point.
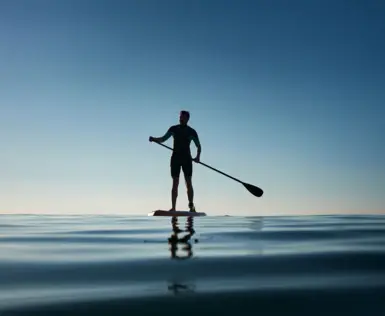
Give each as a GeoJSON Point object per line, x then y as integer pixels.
{"type": "Point", "coordinates": [175, 213]}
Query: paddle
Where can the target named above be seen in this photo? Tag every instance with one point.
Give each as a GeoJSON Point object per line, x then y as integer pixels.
{"type": "Point", "coordinates": [254, 190]}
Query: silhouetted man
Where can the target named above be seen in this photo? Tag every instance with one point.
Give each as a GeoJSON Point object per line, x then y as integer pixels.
{"type": "Point", "coordinates": [181, 156]}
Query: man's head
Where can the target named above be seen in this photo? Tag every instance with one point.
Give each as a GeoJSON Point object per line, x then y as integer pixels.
{"type": "Point", "coordinates": [184, 117]}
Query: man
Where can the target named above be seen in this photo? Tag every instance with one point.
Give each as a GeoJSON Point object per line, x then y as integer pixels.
{"type": "Point", "coordinates": [181, 156]}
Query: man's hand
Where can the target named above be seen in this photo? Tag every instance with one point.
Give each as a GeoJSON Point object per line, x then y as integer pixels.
{"type": "Point", "coordinates": [151, 139]}
{"type": "Point", "coordinates": [196, 159]}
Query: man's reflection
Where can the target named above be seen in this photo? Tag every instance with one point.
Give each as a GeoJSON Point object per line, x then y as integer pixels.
{"type": "Point", "coordinates": [180, 239]}
{"type": "Point", "coordinates": [185, 240]}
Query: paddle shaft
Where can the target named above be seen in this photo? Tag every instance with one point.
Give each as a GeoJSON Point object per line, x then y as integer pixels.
{"type": "Point", "coordinates": [235, 179]}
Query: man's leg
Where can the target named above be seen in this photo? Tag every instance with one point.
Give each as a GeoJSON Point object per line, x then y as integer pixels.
{"type": "Point", "coordinates": [174, 192]}
{"type": "Point", "coordinates": [190, 192]}
{"type": "Point", "coordinates": [187, 170]}
{"type": "Point", "coordinates": [175, 171]}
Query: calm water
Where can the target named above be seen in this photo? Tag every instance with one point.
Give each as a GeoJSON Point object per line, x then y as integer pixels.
{"type": "Point", "coordinates": [95, 265]}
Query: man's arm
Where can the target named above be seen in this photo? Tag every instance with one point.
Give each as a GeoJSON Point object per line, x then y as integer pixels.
{"type": "Point", "coordinates": [163, 138]}
{"type": "Point", "coordinates": [197, 143]}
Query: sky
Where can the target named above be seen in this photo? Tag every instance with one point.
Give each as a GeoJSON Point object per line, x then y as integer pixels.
{"type": "Point", "coordinates": [285, 95]}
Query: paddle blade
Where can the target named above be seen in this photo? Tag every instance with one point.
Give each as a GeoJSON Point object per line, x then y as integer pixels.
{"type": "Point", "coordinates": [253, 189]}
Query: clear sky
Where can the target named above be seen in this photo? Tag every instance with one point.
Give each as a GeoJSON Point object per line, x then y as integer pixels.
{"type": "Point", "coordinates": [285, 95]}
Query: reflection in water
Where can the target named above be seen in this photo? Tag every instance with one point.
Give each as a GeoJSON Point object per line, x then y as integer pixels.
{"type": "Point", "coordinates": [178, 288]}
{"type": "Point", "coordinates": [175, 241]}
{"type": "Point", "coordinates": [181, 249]}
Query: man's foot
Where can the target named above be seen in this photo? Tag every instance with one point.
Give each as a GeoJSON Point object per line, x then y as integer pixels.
{"type": "Point", "coordinates": [191, 207]}
{"type": "Point", "coordinates": [171, 210]}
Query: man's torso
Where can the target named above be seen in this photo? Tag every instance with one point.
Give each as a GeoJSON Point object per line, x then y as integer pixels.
{"type": "Point", "coordinates": [183, 134]}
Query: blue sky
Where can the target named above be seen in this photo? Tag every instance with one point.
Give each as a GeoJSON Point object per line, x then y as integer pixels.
{"type": "Point", "coordinates": [286, 95]}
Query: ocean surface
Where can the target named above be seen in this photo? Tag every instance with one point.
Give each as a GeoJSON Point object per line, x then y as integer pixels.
{"type": "Point", "coordinates": [125, 265]}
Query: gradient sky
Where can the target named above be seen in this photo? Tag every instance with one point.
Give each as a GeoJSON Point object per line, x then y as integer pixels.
{"type": "Point", "coordinates": [286, 95]}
